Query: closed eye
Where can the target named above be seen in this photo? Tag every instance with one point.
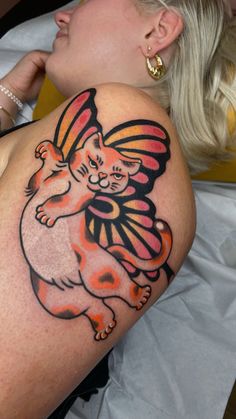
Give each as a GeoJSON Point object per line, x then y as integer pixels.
{"type": "Point", "coordinates": [118, 176]}
{"type": "Point", "coordinates": [92, 163]}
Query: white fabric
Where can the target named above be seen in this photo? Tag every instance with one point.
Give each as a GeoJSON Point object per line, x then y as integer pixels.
{"type": "Point", "coordinates": [179, 360]}
{"type": "Point", "coordinates": [37, 33]}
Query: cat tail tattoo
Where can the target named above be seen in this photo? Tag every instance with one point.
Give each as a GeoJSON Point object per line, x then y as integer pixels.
{"type": "Point", "coordinates": [88, 231]}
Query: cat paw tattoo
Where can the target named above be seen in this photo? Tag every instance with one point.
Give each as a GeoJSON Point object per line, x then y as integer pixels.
{"type": "Point", "coordinates": [44, 217]}
{"type": "Point", "coordinates": [89, 232]}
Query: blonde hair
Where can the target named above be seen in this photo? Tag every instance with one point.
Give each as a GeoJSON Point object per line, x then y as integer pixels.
{"type": "Point", "coordinates": [200, 86]}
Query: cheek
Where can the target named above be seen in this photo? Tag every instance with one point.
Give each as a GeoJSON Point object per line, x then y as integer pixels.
{"type": "Point", "coordinates": [75, 161]}
{"type": "Point", "coordinates": [97, 36]}
{"type": "Point", "coordinates": [122, 183]}
{"type": "Point", "coordinates": [98, 33]}
{"type": "Point", "coordinates": [96, 49]}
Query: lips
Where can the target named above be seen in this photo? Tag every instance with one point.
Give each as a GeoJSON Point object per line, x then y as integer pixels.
{"type": "Point", "coordinates": [60, 34]}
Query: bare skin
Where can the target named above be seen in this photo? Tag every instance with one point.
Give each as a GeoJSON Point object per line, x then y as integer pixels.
{"type": "Point", "coordinates": [38, 347]}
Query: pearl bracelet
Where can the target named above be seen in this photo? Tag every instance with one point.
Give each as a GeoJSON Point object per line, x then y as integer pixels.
{"type": "Point", "coordinates": [11, 96]}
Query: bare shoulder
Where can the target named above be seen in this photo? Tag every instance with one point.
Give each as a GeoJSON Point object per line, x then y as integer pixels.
{"type": "Point", "coordinates": [97, 204]}
{"type": "Point", "coordinates": [172, 189]}
{"type": "Point", "coordinates": [134, 125]}
{"type": "Point", "coordinates": [128, 128]}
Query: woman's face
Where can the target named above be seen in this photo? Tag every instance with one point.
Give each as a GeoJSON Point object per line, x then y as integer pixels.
{"type": "Point", "coordinates": [97, 42]}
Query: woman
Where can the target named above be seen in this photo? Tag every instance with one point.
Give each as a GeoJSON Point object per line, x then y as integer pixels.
{"type": "Point", "coordinates": [110, 131]}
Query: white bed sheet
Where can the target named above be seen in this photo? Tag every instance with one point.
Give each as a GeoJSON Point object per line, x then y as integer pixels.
{"type": "Point", "coordinates": [179, 360]}
{"type": "Point", "coordinates": [37, 33]}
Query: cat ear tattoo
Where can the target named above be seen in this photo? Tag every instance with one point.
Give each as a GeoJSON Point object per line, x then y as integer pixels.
{"type": "Point", "coordinates": [88, 232]}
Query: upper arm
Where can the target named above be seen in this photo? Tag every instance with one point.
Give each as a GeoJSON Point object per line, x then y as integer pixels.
{"type": "Point", "coordinates": [88, 262]}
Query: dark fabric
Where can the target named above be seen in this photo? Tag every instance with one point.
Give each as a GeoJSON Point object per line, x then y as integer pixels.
{"type": "Point", "coordinates": [9, 130]}
{"type": "Point", "coordinates": [25, 10]}
{"type": "Point", "coordinates": [97, 378]}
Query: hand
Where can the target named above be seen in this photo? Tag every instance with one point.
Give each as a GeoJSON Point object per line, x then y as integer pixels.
{"type": "Point", "coordinates": [25, 79]}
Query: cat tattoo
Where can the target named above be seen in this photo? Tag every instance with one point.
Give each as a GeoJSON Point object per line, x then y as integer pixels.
{"type": "Point", "coordinates": [88, 232]}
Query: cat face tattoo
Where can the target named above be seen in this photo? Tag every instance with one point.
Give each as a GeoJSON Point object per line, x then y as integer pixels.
{"type": "Point", "coordinates": [102, 168]}
{"type": "Point", "coordinates": [88, 231]}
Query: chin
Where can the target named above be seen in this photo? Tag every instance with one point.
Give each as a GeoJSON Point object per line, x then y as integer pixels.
{"type": "Point", "coordinates": [93, 189]}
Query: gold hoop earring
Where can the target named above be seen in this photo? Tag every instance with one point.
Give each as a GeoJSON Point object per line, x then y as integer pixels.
{"type": "Point", "coordinates": [156, 72]}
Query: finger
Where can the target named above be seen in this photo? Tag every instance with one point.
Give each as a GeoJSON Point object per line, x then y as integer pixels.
{"type": "Point", "coordinates": [39, 58]}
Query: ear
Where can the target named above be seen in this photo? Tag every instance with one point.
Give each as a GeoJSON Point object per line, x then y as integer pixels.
{"type": "Point", "coordinates": [95, 141]}
{"type": "Point", "coordinates": [164, 28]}
{"type": "Point", "coordinates": [131, 165]}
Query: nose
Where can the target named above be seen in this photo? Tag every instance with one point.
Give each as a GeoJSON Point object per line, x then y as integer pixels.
{"type": "Point", "coordinates": [62, 18]}
{"type": "Point", "coordinates": [102, 175]}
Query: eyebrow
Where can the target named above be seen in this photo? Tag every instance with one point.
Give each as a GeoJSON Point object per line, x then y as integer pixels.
{"type": "Point", "coordinates": [99, 160]}
{"type": "Point", "coordinates": [116, 169]}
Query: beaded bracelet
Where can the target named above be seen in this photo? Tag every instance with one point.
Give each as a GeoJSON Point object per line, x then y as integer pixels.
{"type": "Point", "coordinates": [11, 96]}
